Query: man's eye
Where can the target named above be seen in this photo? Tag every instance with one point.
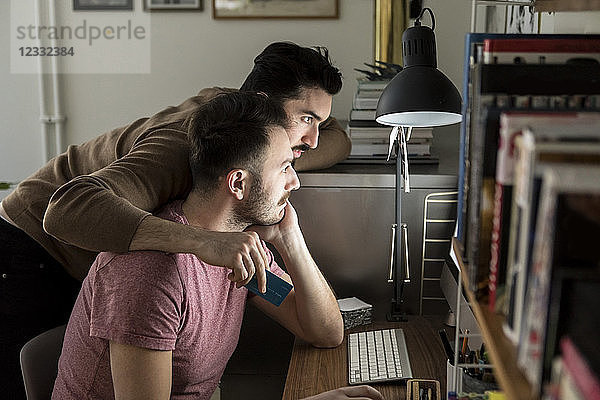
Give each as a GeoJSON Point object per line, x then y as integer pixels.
{"type": "Point", "coordinates": [307, 119]}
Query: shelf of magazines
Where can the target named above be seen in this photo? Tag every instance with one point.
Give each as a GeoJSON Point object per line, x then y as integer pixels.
{"type": "Point", "coordinates": [501, 350]}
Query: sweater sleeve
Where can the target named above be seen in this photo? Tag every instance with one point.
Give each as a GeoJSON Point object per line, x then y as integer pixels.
{"type": "Point", "coordinates": [334, 146]}
{"type": "Point", "coordinates": [102, 211]}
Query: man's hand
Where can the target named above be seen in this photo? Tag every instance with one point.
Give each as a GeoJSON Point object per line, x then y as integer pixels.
{"type": "Point", "coordinates": [241, 252]}
{"type": "Point", "coordinates": [277, 233]}
{"type": "Point", "coordinates": [362, 392]}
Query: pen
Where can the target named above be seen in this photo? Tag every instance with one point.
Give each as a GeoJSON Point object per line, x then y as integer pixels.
{"type": "Point", "coordinates": [464, 343]}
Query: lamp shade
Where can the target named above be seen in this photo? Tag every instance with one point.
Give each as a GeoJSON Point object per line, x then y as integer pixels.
{"type": "Point", "coordinates": [420, 95]}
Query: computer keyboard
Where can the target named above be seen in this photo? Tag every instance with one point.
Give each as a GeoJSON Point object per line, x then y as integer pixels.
{"type": "Point", "coordinates": [377, 356]}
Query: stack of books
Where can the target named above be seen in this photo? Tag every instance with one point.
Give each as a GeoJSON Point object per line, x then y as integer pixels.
{"type": "Point", "coordinates": [370, 139]}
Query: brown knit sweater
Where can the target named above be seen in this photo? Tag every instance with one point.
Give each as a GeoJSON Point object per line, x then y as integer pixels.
{"type": "Point", "coordinates": [93, 197]}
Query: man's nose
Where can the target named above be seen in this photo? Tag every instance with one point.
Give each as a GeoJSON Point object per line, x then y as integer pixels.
{"type": "Point", "coordinates": [294, 182]}
{"type": "Point", "coordinates": [311, 139]}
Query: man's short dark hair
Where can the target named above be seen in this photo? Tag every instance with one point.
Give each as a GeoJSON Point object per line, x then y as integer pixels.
{"type": "Point", "coordinates": [284, 69]}
{"type": "Point", "coordinates": [231, 131]}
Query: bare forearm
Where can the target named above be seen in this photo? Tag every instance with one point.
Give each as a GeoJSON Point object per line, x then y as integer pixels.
{"type": "Point", "coordinates": [223, 249]}
{"type": "Point", "coordinates": [155, 233]}
{"type": "Point", "coordinates": [316, 307]}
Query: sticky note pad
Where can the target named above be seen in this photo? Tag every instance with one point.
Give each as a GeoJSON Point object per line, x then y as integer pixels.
{"type": "Point", "coordinates": [277, 288]}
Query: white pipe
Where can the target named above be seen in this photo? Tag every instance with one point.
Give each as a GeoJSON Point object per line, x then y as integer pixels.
{"type": "Point", "coordinates": [58, 117]}
{"type": "Point", "coordinates": [44, 119]}
{"type": "Point", "coordinates": [474, 15]}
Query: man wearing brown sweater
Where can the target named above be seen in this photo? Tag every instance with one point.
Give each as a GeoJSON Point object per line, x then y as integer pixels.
{"type": "Point", "coordinates": [99, 196]}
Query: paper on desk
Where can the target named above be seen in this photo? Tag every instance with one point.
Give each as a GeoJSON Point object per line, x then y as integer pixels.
{"type": "Point", "coordinates": [352, 304]}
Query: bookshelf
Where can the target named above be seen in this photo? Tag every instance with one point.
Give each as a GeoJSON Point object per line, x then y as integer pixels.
{"type": "Point", "coordinates": [502, 352]}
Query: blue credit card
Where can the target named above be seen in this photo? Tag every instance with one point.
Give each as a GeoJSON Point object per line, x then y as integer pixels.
{"type": "Point", "coordinates": [277, 288]}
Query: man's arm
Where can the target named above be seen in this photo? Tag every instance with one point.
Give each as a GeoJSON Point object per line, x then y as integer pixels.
{"type": "Point", "coordinates": [101, 210]}
{"type": "Point", "coordinates": [139, 373]}
{"type": "Point", "coordinates": [226, 249]}
{"type": "Point", "coordinates": [109, 210]}
{"type": "Point", "coordinates": [310, 310]}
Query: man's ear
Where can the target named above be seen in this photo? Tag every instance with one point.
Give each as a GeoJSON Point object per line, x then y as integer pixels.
{"type": "Point", "coordinates": [238, 183]}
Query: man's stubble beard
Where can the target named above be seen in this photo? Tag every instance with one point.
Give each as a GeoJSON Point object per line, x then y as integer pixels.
{"type": "Point", "coordinates": [257, 209]}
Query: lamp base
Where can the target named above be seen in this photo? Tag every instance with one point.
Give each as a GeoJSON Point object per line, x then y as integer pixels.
{"type": "Point", "coordinates": [396, 313]}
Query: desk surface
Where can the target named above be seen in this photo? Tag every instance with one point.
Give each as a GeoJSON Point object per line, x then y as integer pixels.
{"type": "Point", "coordinates": [313, 370]}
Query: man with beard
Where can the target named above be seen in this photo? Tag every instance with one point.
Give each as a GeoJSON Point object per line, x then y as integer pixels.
{"type": "Point", "coordinates": [150, 325]}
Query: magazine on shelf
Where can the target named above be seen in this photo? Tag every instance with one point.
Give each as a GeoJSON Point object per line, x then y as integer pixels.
{"type": "Point", "coordinates": [503, 87]}
{"type": "Point", "coordinates": [567, 226]}
{"type": "Point", "coordinates": [473, 55]}
{"type": "Point", "coordinates": [540, 51]}
{"type": "Point", "coordinates": [575, 363]}
{"type": "Point", "coordinates": [545, 125]}
{"type": "Point", "coordinates": [559, 139]}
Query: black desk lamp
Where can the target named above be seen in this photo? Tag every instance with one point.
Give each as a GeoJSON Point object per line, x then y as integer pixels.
{"type": "Point", "coordinates": [419, 96]}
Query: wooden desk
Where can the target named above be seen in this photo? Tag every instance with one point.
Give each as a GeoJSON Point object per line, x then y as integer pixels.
{"type": "Point", "coordinates": [313, 370]}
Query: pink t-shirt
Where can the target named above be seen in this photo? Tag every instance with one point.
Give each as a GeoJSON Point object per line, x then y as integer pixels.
{"type": "Point", "coordinates": [156, 301]}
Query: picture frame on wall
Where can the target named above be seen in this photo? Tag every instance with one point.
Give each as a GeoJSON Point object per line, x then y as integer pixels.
{"type": "Point", "coordinates": [172, 5]}
{"type": "Point", "coordinates": [264, 9]}
{"type": "Point", "coordinates": [93, 5]}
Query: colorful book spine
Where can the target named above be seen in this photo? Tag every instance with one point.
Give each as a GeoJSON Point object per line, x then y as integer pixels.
{"type": "Point", "coordinates": [539, 51]}
{"type": "Point", "coordinates": [587, 383]}
{"type": "Point", "coordinates": [561, 184]}
{"type": "Point", "coordinates": [474, 43]}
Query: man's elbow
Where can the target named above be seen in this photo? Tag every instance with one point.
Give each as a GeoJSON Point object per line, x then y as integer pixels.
{"type": "Point", "coordinates": [51, 223]}
{"type": "Point", "coordinates": [330, 338]}
{"type": "Point", "coordinates": [328, 343]}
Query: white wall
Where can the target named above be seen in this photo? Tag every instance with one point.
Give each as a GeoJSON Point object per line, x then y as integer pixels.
{"type": "Point", "coordinates": [20, 138]}
{"type": "Point", "coordinates": [452, 20]}
{"type": "Point", "coordinates": [190, 50]}
{"type": "Point", "coordinates": [571, 22]}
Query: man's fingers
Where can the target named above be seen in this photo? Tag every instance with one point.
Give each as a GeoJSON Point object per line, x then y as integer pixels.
{"type": "Point", "coordinates": [249, 268]}
{"type": "Point", "coordinates": [364, 391]}
{"type": "Point", "coordinates": [263, 253]}
{"type": "Point", "coordinates": [239, 270]}
{"type": "Point", "coordinates": [260, 265]}
{"type": "Point", "coordinates": [257, 250]}
{"type": "Point", "coordinates": [249, 258]}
